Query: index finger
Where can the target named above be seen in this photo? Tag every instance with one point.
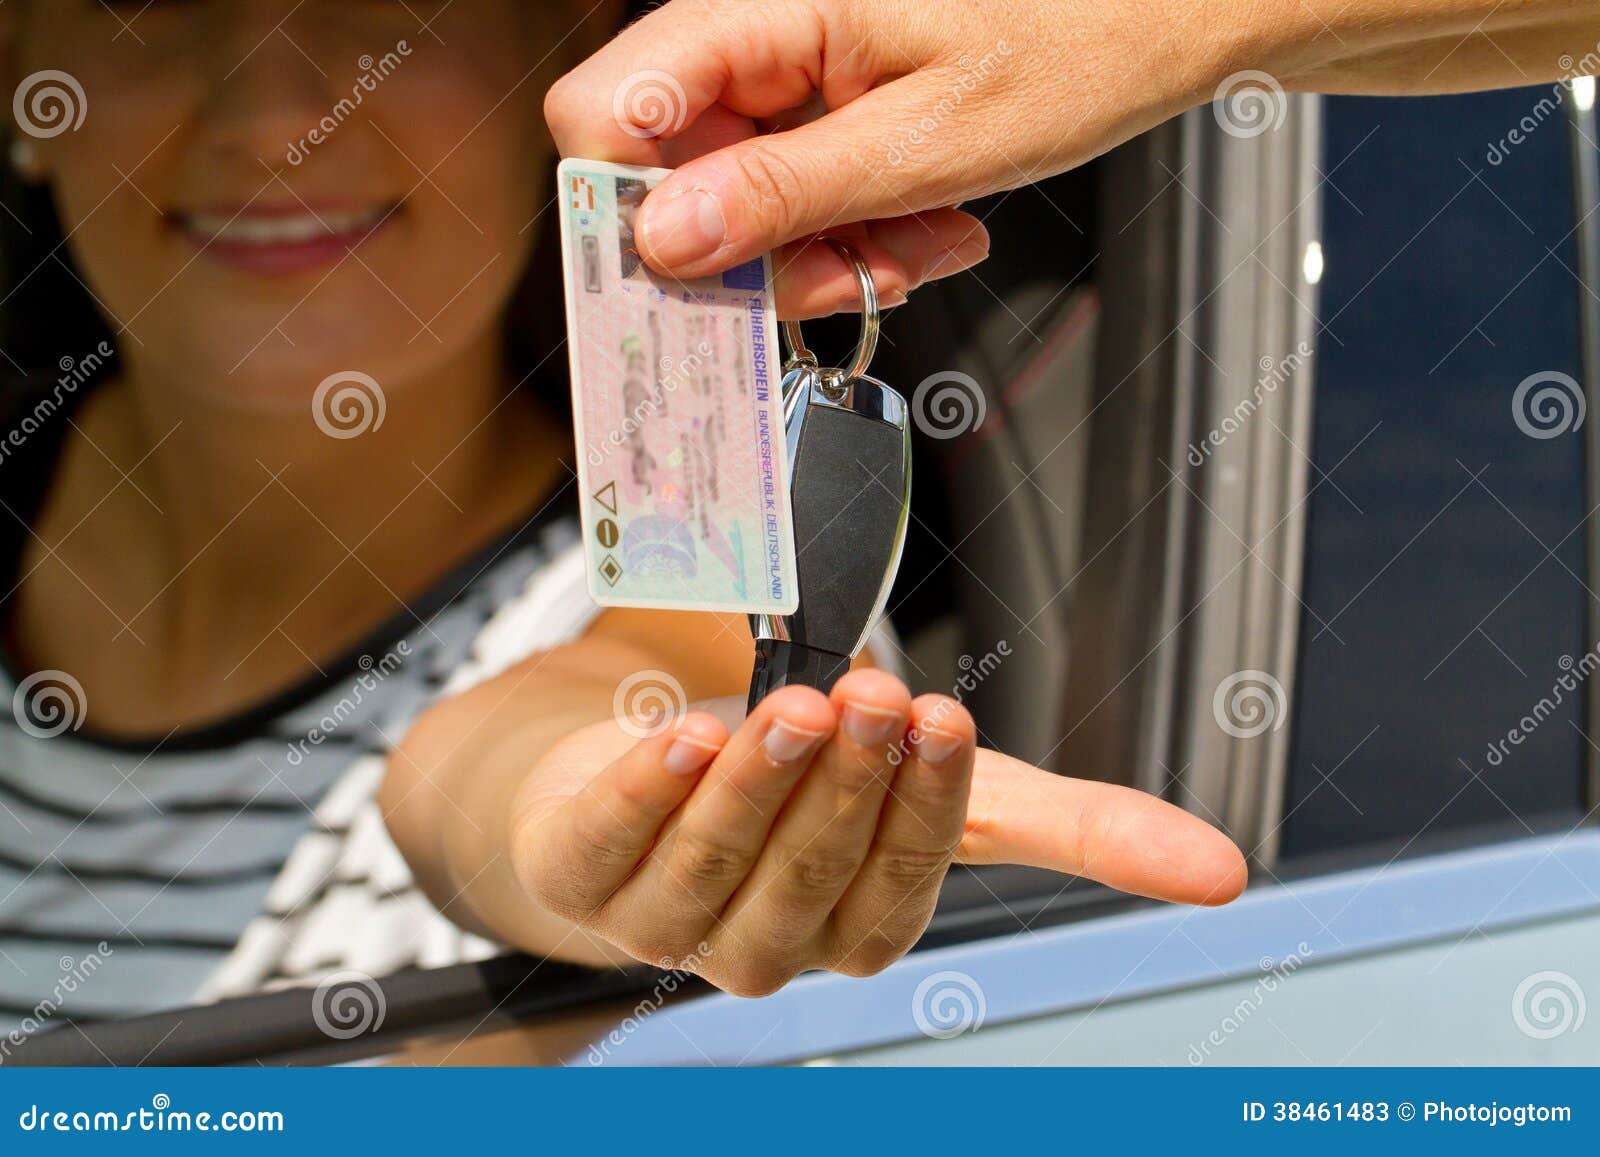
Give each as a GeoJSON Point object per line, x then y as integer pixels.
{"type": "Point", "coordinates": [660, 75]}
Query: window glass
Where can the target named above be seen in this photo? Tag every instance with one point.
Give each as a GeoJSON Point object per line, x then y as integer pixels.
{"type": "Point", "coordinates": [1444, 582]}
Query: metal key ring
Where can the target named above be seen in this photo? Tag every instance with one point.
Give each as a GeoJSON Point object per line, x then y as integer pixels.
{"type": "Point", "coordinates": [798, 353]}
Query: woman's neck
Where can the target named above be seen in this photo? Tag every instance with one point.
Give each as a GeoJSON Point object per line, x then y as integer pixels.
{"type": "Point", "coordinates": [359, 456]}
{"type": "Point", "coordinates": [229, 553]}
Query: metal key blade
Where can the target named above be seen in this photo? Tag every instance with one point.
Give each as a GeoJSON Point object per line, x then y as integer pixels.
{"type": "Point", "coordinates": [849, 444]}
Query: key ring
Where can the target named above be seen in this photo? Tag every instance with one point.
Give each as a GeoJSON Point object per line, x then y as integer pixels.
{"type": "Point", "coordinates": [800, 355]}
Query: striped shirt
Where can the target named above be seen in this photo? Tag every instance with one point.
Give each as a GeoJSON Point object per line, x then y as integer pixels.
{"type": "Point", "coordinates": [132, 881]}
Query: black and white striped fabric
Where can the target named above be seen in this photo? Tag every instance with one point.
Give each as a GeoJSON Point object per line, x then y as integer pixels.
{"type": "Point", "coordinates": [132, 881]}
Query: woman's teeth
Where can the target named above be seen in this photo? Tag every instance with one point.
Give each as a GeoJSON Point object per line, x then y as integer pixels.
{"type": "Point", "coordinates": [246, 229]}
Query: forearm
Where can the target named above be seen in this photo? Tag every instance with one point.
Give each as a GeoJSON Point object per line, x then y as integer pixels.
{"type": "Point", "coordinates": [451, 783]}
{"type": "Point", "coordinates": [1413, 47]}
{"type": "Point", "coordinates": [477, 885]}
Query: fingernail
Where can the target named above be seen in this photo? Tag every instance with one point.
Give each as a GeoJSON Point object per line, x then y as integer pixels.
{"type": "Point", "coordinates": [870, 726]}
{"type": "Point", "coordinates": [937, 746]}
{"type": "Point", "coordinates": [684, 228]}
{"type": "Point", "coordinates": [955, 259]}
{"type": "Point", "coordinates": [786, 743]}
{"type": "Point", "coordinates": [687, 755]}
{"type": "Point", "coordinates": [891, 299]}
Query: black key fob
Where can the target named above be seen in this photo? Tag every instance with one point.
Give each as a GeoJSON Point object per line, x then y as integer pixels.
{"type": "Point", "coordinates": [848, 438]}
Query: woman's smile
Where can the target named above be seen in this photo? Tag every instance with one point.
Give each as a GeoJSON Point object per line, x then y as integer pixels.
{"type": "Point", "coordinates": [288, 239]}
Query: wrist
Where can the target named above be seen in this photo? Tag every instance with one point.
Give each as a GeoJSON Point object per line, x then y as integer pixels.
{"type": "Point", "coordinates": [1186, 51]}
{"type": "Point", "coordinates": [1282, 38]}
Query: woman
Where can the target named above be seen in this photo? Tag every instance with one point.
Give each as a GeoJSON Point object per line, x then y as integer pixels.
{"type": "Point", "coordinates": [322, 486]}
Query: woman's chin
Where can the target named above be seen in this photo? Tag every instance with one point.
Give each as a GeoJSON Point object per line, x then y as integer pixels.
{"type": "Point", "coordinates": [241, 350]}
{"type": "Point", "coordinates": [276, 381]}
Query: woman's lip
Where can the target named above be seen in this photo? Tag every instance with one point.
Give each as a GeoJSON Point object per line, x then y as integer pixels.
{"type": "Point", "coordinates": [273, 240]}
{"type": "Point", "coordinates": [285, 209]}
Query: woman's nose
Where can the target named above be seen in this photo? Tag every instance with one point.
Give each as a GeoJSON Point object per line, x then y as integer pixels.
{"type": "Point", "coordinates": [268, 91]}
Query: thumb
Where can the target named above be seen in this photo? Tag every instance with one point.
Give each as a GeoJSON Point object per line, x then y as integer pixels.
{"type": "Point", "coordinates": [1127, 839]}
{"type": "Point", "coordinates": [856, 163]}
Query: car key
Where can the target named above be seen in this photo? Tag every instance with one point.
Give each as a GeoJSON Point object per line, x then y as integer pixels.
{"type": "Point", "coordinates": [849, 443]}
